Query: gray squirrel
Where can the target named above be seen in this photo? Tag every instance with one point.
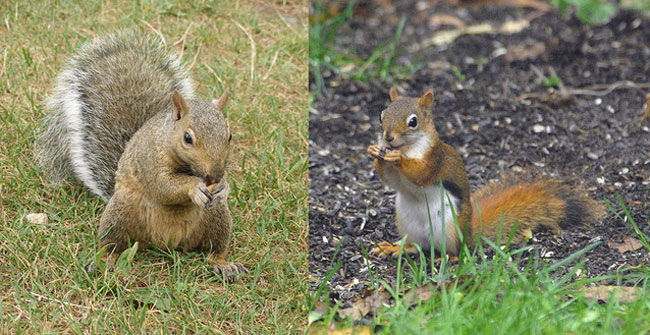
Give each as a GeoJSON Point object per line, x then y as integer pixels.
{"type": "Point", "coordinates": [123, 120]}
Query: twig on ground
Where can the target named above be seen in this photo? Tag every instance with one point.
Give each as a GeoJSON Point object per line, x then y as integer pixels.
{"type": "Point", "coordinates": [538, 73]}
{"type": "Point", "coordinates": [253, 51]}
{"type": "Point", "coordinates": [607, 88]}
{"type": "Point", "coordinates": [593, 90]}
{"type": "Point", "coordinates": [275, 57]}
{"type": "Point", "coordinates": [196, 55]}
{"type": "Point", "coordinates": [162, 38]}
{"type": "Point", "coordinates": [40, 297]}
{"type": "Point", "coordinates": [182, 41]}
{"type": "Point", "coordinates": [646, 115]}
{"type": "Point", "coordinates": [214, 73]}
{"type": "Point", "coordinates": [284, 20]}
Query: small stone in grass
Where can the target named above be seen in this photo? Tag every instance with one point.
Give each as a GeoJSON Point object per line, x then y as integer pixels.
{"type": "Point", "coordinates": [538, 128]}
{"type": "Point", "coordinates": [37, 218]}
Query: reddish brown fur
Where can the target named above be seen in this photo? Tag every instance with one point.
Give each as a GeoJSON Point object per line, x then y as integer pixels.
{"type": "Point", "coordinates": [533, 204]}
{"type": "Point", "coordinates": [541, 203]}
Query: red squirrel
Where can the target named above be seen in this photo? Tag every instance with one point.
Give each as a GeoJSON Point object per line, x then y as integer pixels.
{"type": "Point", "coordinates": [411, 158]}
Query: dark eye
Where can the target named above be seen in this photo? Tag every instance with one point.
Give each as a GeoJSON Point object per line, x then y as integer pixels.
{"type": "Point", "coordinates": [230, 137]}
{"type": "Point", "coordinates": [188, 138]}
{"type": "Point", "coordinates": [413, 122]}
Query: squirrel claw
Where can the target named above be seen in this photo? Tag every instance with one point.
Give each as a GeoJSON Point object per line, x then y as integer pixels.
{"type": "Point", "coordinates": [200, 195]}
{"type": "Point", "coordinates": [393, 156]}
{"type": "Point", "coordinates": [91, 267]}
{"type": "Point", "coordinates": [230, 271]}
{"type": "Point", "coordinates": [219, 193]}
{"type": "Point", "coordinates": [385, 249]}
{"type": "Point", "coordinates": [377, 151]}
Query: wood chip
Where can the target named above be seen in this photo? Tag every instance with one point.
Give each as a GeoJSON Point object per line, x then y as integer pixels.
{"type": "Point", "coordinates": [361, 308]}
{"type": "Point", "coordinates": [37, 218]}
{"type": "Point", "coordinates": [603, 293]}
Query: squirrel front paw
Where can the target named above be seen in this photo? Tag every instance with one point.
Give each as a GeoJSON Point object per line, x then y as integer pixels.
{"type": "Point", "coordinates": [393, 156]}
{"type": "Point", "coordinates": [377, 151]}
{"type": "Point", "coordinates": [200, 195]}
{"type": "Point", "coordinates": [219, 192]}
{"type": "Point", "coordinates": [385, 154]}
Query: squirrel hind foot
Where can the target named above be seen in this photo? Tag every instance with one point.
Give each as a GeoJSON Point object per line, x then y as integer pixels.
{"type": "Point", "coordinates": [229, 271]}
{"type": "Point", "coordinates": [92, 268]}
{"type": "Point", "coordinates": [385, 249]}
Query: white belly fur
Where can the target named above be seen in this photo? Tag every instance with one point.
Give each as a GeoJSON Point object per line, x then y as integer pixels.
{"type": "Point", "coordinates": [411, 210]}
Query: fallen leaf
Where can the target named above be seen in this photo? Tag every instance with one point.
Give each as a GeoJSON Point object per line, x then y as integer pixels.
{"type": "Point", "coordinates": [317, 313]}
{"type": "Point", "coordinates": [361, 308]}
{"type": "Point", "coordinates": [525, 52]}
{"type": "Point", "coordinates": [417, 294]}
{"type": "Point", "coordinates": [323, 329]}
{"type": "Point", "coordinates": [623, 293]}
{"type": "Point", "coordinates": [629, 244]}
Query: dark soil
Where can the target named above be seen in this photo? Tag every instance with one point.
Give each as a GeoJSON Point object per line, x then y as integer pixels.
{"type": "Point", "coordinates": [592, 140]}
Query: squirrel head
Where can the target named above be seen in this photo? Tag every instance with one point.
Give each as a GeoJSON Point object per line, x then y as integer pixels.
{"type": "Point", "coordinates": [407, 124]}
{"type": "Point", "coordinates": [200, 137]}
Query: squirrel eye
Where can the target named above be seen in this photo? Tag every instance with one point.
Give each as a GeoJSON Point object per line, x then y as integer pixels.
{"type": "Point", "coordinates": [230, 137]}
{"type": "Point", "coordinates": [413, 122]}
{"type": "Point", "coordinates": [188, 138]}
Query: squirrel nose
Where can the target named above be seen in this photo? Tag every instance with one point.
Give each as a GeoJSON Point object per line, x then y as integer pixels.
{"type": "Point", "coordinates": [388, 137]}
{"type": "Point", "coordinates": [214, 177]}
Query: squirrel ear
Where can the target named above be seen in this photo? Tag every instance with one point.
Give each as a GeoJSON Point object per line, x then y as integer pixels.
{"type": "Point", "coordinates": [180, 106]}
{"type": "Point", "coordinates": [393, 93]}
{"type": "Point", "coordinates": [223, 100]}
{"type": "Point", "coordinates": [426, 100]}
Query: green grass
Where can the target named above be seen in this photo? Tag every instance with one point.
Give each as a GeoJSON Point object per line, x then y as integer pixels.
{"type": "Point", "coordinates": [43, 286]}
{"type": "Point", "coordinates": [322, 32]}
{"type": "Point", "coordinates": [496, 296]}
{"type": "Point", "coordinates": [325, 24]}
{"type": "Point", "coordinates": [596, 12]}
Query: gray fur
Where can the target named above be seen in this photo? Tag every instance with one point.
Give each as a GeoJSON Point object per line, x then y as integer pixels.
{"type": "Point", "coordinates": [117, 82]}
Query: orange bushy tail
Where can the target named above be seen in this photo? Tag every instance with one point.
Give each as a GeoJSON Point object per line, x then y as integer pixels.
{"type": "Point", "coordinates": [542, 203]}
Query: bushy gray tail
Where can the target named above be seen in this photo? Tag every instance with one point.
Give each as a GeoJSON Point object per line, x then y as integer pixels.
{"type": "Point", "coordinates": [52, 147]}
{"type": "Point", "coordinates": [108, 90]}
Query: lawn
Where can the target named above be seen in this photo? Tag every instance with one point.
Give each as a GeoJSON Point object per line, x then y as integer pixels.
{"type": "Point", "coordinates": [256, 50]}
